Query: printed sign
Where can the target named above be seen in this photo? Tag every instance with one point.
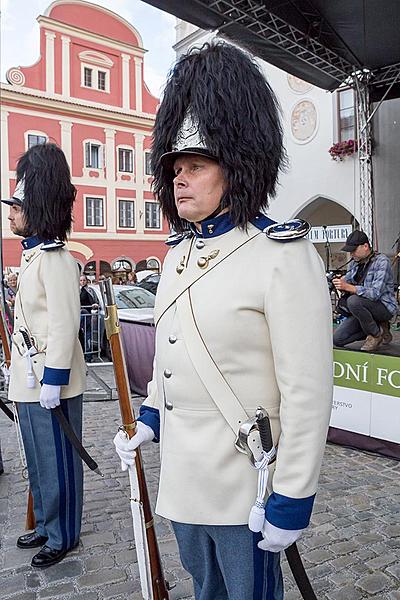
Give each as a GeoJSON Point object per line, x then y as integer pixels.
{"type": "Point", "coordinates": [367, 394]}
{"type": "Point", "coordinates": [334, 233]}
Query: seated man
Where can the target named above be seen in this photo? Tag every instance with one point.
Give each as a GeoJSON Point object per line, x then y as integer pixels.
{"type": "Point", "coordinates": [369, 288]}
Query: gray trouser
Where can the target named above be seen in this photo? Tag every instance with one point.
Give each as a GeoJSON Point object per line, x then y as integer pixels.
{"type": "Point", "coordinates": [55, 471]}
{"type": "Point", "coordinates": [366, 314]}
{"type": "Point", "coordinates": [226, 563]}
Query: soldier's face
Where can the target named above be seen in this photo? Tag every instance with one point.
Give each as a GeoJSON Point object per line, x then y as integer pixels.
{"type": "Point", "coordinates": [17, 220]}
{"type": "Point", "coordinates": [198, 187]}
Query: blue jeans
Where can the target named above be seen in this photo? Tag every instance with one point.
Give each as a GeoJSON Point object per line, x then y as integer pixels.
{"type": "Point", "coordinates": [55, 471]}
{"type": "Point", "coordinates": [226, 563]}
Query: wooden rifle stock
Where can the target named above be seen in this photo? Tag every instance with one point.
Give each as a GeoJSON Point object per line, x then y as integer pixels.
{"type": "Point", "coordinates": [159, 585]}
{"type": "Point", "coordinates": [30, 521]}
{"type": "Point", "coordinates": [5, 341]}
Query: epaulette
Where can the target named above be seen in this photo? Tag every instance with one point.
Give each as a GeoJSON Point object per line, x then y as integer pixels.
{"type": "Point", "coordinates": [175, 238]}
{"type": "Point", "coordinates": [52, 245]}
{"type": "Point", "coordinates": [288, 231]}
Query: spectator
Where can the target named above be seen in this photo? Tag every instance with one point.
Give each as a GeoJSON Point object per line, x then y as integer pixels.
{"type": "Point", "coordinates": [131, 278]}
{"type": "Point", "coordinates": [11, 289]}
{"type": "Point", "coordinates": [368, 296]}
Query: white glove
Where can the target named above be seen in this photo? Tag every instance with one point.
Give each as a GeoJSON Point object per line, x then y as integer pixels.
{"type": "Point", "coordinates": [50, 395]}
{"type": "Point", "coordinates": [276, 539]}
{"type": "Point", "coordinates": [126, 447]}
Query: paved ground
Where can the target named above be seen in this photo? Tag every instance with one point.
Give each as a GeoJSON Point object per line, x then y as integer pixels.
{"type": "Point", "coordinates": [351, 551]}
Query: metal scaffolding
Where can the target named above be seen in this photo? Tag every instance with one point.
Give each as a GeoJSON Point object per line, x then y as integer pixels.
{"type": "Point", "coordinates": [364, 138]}
{"type": "Point", "coordinates": [311, 46]}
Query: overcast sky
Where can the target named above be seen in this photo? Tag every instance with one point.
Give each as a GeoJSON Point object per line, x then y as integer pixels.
{"type": "Point", "coordinates": [20, 35]}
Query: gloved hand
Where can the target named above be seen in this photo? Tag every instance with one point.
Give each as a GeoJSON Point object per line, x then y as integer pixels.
{"type": "Point", "coordinates": [276, 539]}
{"type": "Point", "coordinates": [126, 447]}
{"type": "Point", "coordinates": [50, 395]}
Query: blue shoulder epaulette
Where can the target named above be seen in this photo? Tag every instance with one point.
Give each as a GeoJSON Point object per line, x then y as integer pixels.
{"type": "Point", "coordinates": [52, 245]}
{"type": "Point", "coordinates": [288, 231]}
{"type": "Point", "coordinates": [175, 238]}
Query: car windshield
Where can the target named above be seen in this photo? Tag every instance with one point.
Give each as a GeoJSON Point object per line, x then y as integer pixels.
{"type": "Point", "coordinates": [134, 298]}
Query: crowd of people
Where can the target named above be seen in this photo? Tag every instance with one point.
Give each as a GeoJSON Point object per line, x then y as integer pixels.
{"type": "Point", "coordinates": [223, 352]}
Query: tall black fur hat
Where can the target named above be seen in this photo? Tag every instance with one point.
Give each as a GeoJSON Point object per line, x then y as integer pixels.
{"type": "Point", "coordinates": [47, 192]}
{"type": "Point", "coordinates": [217, 103]}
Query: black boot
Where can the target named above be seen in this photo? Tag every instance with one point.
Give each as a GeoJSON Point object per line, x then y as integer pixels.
{"type": "Point", "coordinates": [31, 540]}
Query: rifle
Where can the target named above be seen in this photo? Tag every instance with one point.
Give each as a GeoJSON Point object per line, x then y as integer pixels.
{"type": "Point", "coordinates": [30, 521]}
{"type": "Point", "coordinates": [154, 586]}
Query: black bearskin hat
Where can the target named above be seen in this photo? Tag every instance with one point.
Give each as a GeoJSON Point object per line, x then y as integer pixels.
{"type": "Point", "coordinates": [220, 93]}
{"type": "Point", "coordinates": [48, 194]}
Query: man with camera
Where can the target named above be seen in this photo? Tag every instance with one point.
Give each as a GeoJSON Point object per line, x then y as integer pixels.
{"type": "Point", "coordinates": [367, 296]}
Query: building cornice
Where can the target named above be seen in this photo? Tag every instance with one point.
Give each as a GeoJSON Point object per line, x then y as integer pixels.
{"type": "Point", "coordinates": [188, 40]}
{"type": "Point", "coordinates": [39, 100]}
{"type": "Point", "coordinates": [83, 34]}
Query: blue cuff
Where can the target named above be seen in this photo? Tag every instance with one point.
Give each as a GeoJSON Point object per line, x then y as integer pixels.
{"type": "Point", "coordinates": [289, 513]}
{"type": "Point", "coordinates": [56, 376]}
{"type": "Point", "coordinates": [151, 417]}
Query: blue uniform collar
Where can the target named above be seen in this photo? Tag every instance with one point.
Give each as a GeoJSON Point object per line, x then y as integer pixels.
{"type": "Point", "coordinates": [222, 224]}
{"type": "Point", "coordinates": [31, 242]}
{"type": "Point", "coordinates": [213, 227]}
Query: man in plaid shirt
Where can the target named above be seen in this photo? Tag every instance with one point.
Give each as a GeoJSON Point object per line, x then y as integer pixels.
{"type": "Point", "coordinates": [371, 301]}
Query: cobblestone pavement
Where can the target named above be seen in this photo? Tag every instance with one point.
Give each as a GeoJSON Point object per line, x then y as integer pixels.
{"type": "Point", "coordinates": [351, 551]}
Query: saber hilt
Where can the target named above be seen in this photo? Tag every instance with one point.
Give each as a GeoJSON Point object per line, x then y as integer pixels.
{"type": "Point", "coordinates": [264, 427]}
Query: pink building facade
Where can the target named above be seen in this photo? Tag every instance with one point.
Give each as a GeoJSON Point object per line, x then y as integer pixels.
{"type": "Point", "coordinates": [87, 94]}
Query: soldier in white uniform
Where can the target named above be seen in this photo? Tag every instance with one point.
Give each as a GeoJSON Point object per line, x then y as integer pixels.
{"type": "Point", "coordinates": [243, 321]}
{"type": "Point", "coordinates": [47, 365]}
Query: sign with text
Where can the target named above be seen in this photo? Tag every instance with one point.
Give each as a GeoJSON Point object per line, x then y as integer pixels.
{"type": "Point", "coordinates": [333, 233]}
{"type": "Point", "coordinates": [367, 394]}
{"type": "Point", "coordinates": [370, 372]}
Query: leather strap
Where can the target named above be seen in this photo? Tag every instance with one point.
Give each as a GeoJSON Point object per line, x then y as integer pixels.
{"type": "Point", "coordinates": [189, 276]}
{"type": "Point", "coordinates": [206, 368]}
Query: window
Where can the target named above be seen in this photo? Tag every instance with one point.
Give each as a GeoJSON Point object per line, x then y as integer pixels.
{"type": "Point", "coordinates": [94, 212]}
{"type": "Point", "coordinates": [125, 160]}
{"type": "Point", "coordinates": [127, 213]}
{"type": "Point", "coordinates": [101, 80]}
{"type": "Point", "coordinates": [87, 74]}
{"type": "Point", "coordinates": [147, 163]}
{"type": "Point", "coordinates": [93, 155]}
{"type": "Point", "coordinates": [346, 116]}
{"type": "Point", "coordinates": [152, 218]}
{"type": "Point", "coordinates": [34, 140]}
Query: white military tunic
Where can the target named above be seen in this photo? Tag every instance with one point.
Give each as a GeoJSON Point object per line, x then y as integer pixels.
{"type": "Point", "coordinates": [263, 310]}
{"type": "Point", "coordinates": [47, 305]}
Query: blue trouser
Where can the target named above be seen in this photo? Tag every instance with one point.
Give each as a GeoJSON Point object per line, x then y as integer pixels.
{"type": "Point", "coordinates": [55, 471]}
{"type": "Point", "coordinates": [226, 563]}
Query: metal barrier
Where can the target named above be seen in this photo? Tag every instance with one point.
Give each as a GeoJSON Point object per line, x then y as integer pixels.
{"type": "Point", "coordinates": [91, 334]}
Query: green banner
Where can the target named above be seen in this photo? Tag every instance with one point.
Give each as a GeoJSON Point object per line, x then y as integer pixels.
{"type": "Point", "coordinates": [369, 372]}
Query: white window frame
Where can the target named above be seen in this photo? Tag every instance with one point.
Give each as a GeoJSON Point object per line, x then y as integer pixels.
{"type": "Point", "coordinates": [338, 109]}
{"type": "Point", "coordinates": [33, 132]}
{"type": "Point", "coordinates": [125, 147]}
{"type": "Point", "coordinates": [100, 169]}
{"type": "Point", "coordinates": [126, 227]}
{"type": "Point", "coordinates": [158, 261]}
{"type": "Point", "coordinates": [95, 77]}
{"type": "Point", "coordinates": [100, 197]}
{"type": "Point", "coordinates": [146, 153]}
{"type": "Point", "coordinates": [159, 208]}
